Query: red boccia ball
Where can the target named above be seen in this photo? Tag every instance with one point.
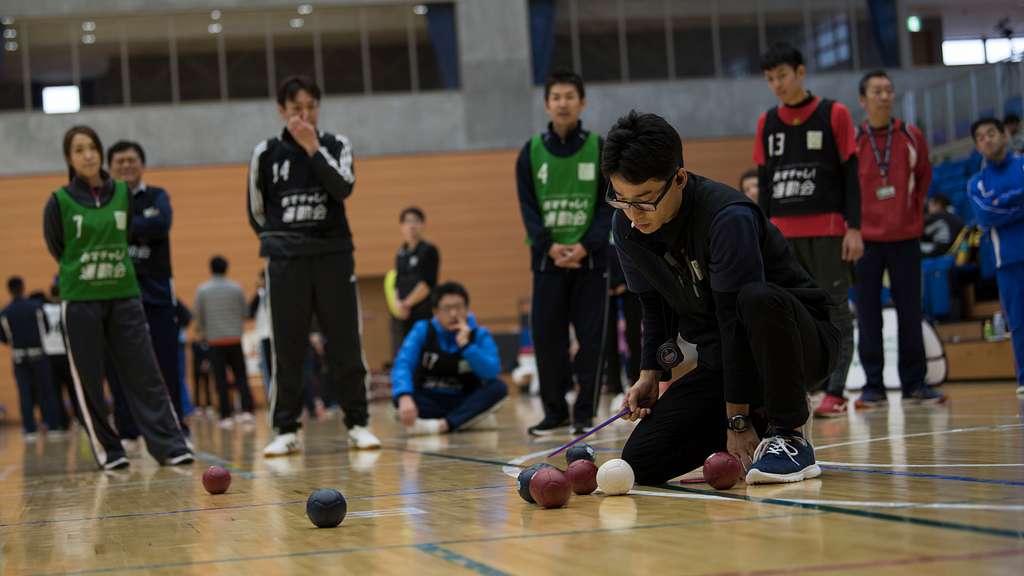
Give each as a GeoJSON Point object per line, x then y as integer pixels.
{"type": "Point", "coordinates": [550, 488]}
{"type": "Point", "coordinates": [722, 470]}
{"type": "Point", "coordinates": [582, 475]}
{"type": "Point", "coordinates": [216, 480]}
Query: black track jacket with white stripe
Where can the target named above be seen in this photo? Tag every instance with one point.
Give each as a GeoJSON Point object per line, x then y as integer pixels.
{"type": "Point", "coordinates": [296, 201]}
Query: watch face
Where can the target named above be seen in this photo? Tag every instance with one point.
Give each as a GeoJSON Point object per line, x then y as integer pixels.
{"type": "Point", "coordinates": [738, 423]}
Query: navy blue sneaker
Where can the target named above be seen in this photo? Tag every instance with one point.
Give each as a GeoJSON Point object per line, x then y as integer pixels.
{"type": "Point", "coordinates": [871, 398]}
{"type": "Point", "coordinates": [780, 459]}
{"type": "Point", "coordinates": [928, 395]}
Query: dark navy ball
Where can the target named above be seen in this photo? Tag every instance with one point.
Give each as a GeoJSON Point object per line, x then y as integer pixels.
{"type": "Point", "coordinates": [524, 480]}
{"type": "Point", "coordinates": [579, 452]}
{"type": "Point", "coordinates": [326, 508]}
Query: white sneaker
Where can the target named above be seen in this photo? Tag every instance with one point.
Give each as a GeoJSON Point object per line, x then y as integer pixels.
{"type": "Point", "coordinates": [180, 459]}
{"type": "Point", "coordinates": [283, 445]}
{"type": "Point", "coordinates": [117, 464]}
{"type": "Point", "coordinates": [244, 418]}
{"type": "Point", "coordinates": [361, 438]}
{"type": "Point", "coordinates": [485, 422]}
{"type": "Point", "coordinates": [211, 412]}
{"type": "Point", "coordinates": [56, 434]}
{"type": "Point", "coordinates": [1020, 390]}
{"type": "Point", "coordinates": [31, 437]}
{"type": "Point", "coordinates": [424, 427]}
{"type": "Point", "coordinates": [130, 445]}
{"type": "Point", "coordinates": [226, 424]}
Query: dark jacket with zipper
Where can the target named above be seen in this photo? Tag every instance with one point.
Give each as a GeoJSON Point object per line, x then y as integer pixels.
{"type": "Point", "coordinates": [596, 239]}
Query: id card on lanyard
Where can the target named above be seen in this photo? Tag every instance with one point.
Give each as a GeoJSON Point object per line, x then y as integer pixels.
{"type": "Point", "coordinates": [886, 190]}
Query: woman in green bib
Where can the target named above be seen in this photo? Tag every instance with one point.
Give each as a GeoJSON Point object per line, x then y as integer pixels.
{"type": "Point", "coordinates": [86, 227]}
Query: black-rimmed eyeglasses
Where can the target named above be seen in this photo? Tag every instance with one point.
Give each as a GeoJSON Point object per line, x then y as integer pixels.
{"type": "Point", "coordinates": [647, 206]}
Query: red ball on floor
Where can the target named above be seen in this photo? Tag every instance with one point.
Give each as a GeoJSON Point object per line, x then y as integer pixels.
{"type": "Point", "coordinates": [216, 480]}
{"type": "Point", "coordinates": [550, 488]}
{"type": "Point", "coordinates": [722, 470]}
{"type": "Point", "coordinates": [582, 475]}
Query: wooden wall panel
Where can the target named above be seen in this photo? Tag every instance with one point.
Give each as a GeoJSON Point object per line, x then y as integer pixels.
{"type": "Point", "coordinates": [469, 198]}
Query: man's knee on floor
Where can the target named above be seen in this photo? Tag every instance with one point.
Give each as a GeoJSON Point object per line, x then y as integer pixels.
{"type": "Point", "coordinates": [760, 301]}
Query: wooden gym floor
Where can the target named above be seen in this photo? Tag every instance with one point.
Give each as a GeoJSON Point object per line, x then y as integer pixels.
{"type": "Point", "coordinates": [908, 490]}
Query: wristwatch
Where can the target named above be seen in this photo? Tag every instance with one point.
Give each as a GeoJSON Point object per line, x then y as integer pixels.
{"type": "Point", "coordinates": [739, 423]}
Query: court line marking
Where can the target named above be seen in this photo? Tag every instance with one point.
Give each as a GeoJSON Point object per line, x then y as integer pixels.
{"type": "Point", "coordinates": [999, 553]}
{"type": "Point", "coordinates": [867, 504]}
{"type": "Point", "coordinates": [237, 507]}
{"type": "Point", "coordinates": [951, 465]}
{"type": "Point", "coordinates": [458, 541]}
{"type": "Point", "coordinates": [218, 461]}
{"type": "Point", "coordinates": [919, 435]}
{"type": "Point", "coordinates": [926, 476]}
{"type": "Point", "coordinates": [1006, 533]}
{"type": "Point", "coordinates": [460, 560]}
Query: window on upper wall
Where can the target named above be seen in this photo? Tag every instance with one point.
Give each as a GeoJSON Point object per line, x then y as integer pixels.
{"type": "Point", "coordinates": [738, 37]}
{"type": "Point", "coordinates": [12, 82]}
{"type": "Point", "coordinates": [600, 51]}
{"type": "Point", "coordinates": [245, 49]}
{"type": "Point", "coordinates": [692, 38]}
{"type": "Point", "coordinates": [341, 47]}
{"type": "Point", "coordinates": [292, 35]}
{"type": "Point", "coordinates": [100, 60]}
{"type": "Point", "coordinates": [198, 56]}
{"type": "Point", "coordinates": [646, 39]}
{"type": "Point", "coordinates": [50, 62]}
{"type": "Point", "coordinates": [388, 28]}
{"type": "Point", "coordinates": [149, 59]}
{"type": "Point", "coordinates": [832, 35]}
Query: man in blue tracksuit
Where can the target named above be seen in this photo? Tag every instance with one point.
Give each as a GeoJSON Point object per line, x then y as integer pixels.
{"type": "Point", "coordinates": [997, 196]}
{"type": "Point", "coordinates": [445, 377]}
{"type": "Point", "coordinates": [22, 323]}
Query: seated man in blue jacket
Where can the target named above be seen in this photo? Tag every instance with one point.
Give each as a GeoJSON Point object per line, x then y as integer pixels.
{"type": "Point", "coordinates": [997, 196]}
{"type": "Point", "coordinates": [445, 377]}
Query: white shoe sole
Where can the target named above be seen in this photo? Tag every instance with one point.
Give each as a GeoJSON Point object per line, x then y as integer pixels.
{"type": "Point", "coordinates": [755, 476]}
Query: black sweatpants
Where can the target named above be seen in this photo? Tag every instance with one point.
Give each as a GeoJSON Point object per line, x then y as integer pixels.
{"type": "Point", "coordinates": [298, 287]}
{"type": "Point", "coordinates": [61, 372]}
{"type": "Point", "coordinates": [903, 261]}
{"type": "Point", "coordinates": [163, 332]}
{"type": "Point", "coordinates": [559, 297]}
{"type": "Point", "coordinates": [201, 368]}
{"type": "Point", "coordinates": [632, 313]}
{"type": "Point", "coordinates": [95, 329]}
{"type": "Point", "coordinates": [821, 256]}
{"type": "Point", "coordinates": [223, 357]}
{"type": "Point", "coordinates": [793, 352]}
{"type": "Point", "coordinates": [35, 388]}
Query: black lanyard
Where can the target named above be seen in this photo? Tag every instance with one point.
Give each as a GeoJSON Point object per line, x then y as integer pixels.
{"type": "Point", "coordinates": [883, 164]}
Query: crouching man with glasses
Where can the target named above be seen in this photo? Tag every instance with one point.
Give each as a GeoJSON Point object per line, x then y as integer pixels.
{"type": "Point", "coordinates": [711, 269]}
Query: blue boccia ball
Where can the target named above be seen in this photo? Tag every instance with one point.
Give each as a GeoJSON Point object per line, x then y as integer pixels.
{"type": "Point", "coordinates": [326, 508]}
{"type": "Point", "coordinates": [579, 452]}
{"type": "Point", "coordinates": [525, 475]}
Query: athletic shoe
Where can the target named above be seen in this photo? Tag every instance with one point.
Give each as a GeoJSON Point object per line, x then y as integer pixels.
{"type": "Point", "coordinates": [30, 437]}
{"type": "Point", "coordinates": [484, 422]}
{"type": "Point", "coordinates": [211, 412]}
{"type": "Point", "coordinates": [283, 445]}
{"type": "Point", "coordinates": [130, 444]}
{"type": "Point", "coordinates": [361, 438]}
{"type": "Point", "coordinates": [1020, 390]}
{"type": "Point", "coordinates": [244, 418]}
{"type": "Point", "coordinates": [928, 395]}
{"type": "Point", "coordinates": [226, 423]}
{"type": "Point", "coordinates": [116, 463]}
{"type": "Point", "coordinates": [871, 398]}
{"type": "Point", "coordinates": [581, 428]}
{"type": "Point", "coordinates": [548, 426]}
{"type": "Point", "coordinates": [57, 434]}
{"type": "Point", "coordinates": [425, 427]}
{"type": "Point", "coordinates": [831, 407]}
{"type": "Point", "coordinates": [181, 459]}
{"type": "Point", "coordinates": [781, 459]}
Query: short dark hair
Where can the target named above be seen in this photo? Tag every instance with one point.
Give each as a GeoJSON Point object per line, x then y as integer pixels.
{"type": "Point", "coordinates": [447, 289]}
{"type": "Point", "coordinates": [55, 290]}
{"type": "Point", "coordinates": [752, 173]}
{"type": "Point", "coordinates": [70, 135]}
{"type": "Point", "coordinates": [1011, 118]}
{"type": "Point", "coordinates": [564, 77]}
{"type": "Point", "coordinates": [38, 296]}
{"type": "Point", "coordinates": [219, 265]}
{"type": "Point", "coordinates": [941, 199]}
{"type": "Point", "coordinates": [292, 85]}
{"type": "Point", "coordinates": [124, 146]}
{"type": "Point", "coordinates": [415, 211]}
{"type": "Point", "coordinates": [781, 53]}
{"type": "Point", "coordinates": [867, 78]}
{"type": "Point", "coordinates": [984, 122]}
{"type": "Point", "coordinates": [640, 147]}
{"type": "Point", "coordinates": [16, 285]}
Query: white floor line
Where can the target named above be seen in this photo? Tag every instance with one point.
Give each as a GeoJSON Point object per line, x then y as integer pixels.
{"type": "Point", "coordinates": [865, 504]}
